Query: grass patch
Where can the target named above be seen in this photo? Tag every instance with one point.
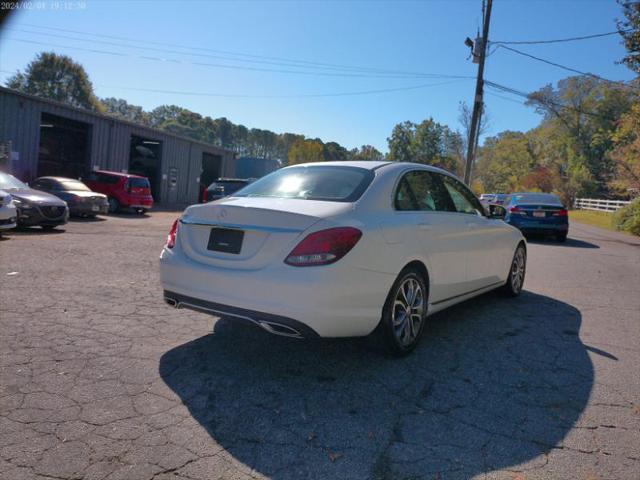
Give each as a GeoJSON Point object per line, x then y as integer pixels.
{"type": "Point", "coordinates": [591, 217]}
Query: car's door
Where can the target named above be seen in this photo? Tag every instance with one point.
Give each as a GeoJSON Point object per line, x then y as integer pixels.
{"type": "Point", "coordinates": [485, 237]}
{"type": "Point", "coordinates": [421, 201]}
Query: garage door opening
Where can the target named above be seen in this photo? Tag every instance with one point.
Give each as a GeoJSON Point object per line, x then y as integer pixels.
{"type": "Point", "coordinates": [211, 170]}
{"type": "Point", "coordinates": [64, 147]}
{"type": "Point", "coordinates": [145, 159]}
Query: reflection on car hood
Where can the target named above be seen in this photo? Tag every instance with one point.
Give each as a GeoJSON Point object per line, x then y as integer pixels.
{"type": "Point", "coordinates": [85, 194]}
{"type": "Point", "coordinates": [36, 196]}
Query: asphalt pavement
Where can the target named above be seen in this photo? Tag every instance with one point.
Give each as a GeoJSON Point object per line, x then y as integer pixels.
{"type": "Point", "coordinates": [99, 379]}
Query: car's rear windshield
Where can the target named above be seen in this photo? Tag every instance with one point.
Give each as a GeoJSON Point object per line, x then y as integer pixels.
{"type": "Point", "coordinates": [328, 183]}
{"type": "Point", "coordinates": [74, 186]}
{"type": "Point", "coordinates": [546, 198]}
{"type": "Point", "coordinates": [138, 182]}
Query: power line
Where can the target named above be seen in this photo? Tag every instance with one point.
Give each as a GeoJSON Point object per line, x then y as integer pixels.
{"type": "Point", "coordinates": [512, 100]}
{"type": "Point", "coordinates": [561, 40]}
{"type": "Point", "coordinates": [519, 93]}
{"type": "Point", "coordinates": [250, 96]}
{"type": "Point", "coordinates": [564, 67]}
{"type": "Point", "coordinates": [235, 67]}
{"type": "Point", "coordinates": [310, 95]}
{"type": "Point", "coordinates": [257, 58]}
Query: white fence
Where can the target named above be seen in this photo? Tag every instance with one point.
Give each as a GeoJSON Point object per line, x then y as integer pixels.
{"type": "Point", "coordinates": [600, 205]}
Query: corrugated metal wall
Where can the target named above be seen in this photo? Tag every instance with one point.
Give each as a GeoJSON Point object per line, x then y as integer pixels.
{"type": "Point", "coordinates": [110, 145]}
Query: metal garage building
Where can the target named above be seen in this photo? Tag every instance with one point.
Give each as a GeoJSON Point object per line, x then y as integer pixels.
{"type": "Point", "coordinates": [50, 138]}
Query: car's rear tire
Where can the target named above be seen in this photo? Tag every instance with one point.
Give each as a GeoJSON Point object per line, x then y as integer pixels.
{"type": "Point", "coordinates": [114, 205]}
{"type": "Point", "coordinates": [517, 271]}
{"type": "Point", "coordinates": [405, 312]}
{"type": "Point", "coordinates": [561, 237]}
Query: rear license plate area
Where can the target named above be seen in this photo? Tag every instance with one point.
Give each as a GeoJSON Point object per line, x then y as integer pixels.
{"type": "Point", "coordinates": [539, 214]}
{"type": "Point", "coordinates": [225, 240]}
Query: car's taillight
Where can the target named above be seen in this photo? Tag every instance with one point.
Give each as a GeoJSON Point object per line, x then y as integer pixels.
{"type": "Point", "coordinates": [324, 247]}
{"type": "Point", "coordinates": [516, 211]}
{"type": "Point", "coordinates": [560, 213]}
{"type": "Point", "coordinates": [204, 196]}
{"type": "Point", "coordinates": [171, 238]}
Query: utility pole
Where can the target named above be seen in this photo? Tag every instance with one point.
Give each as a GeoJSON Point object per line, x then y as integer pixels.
{"type": "Point", "coordinates": [477, 101]}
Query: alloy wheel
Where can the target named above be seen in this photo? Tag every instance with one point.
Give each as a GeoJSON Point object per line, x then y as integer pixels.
{"type": "Point", "coordinates": [517, 270]}
{"type": "Point", "coordinates": [408, 311]}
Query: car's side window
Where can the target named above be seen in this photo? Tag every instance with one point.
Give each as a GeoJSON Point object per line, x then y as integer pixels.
{"type": "Point", "coordinates": [405, 199]}
{"type": "Point", "coordinates": [463, 199]}
{"type": "Point", "coordinates": [42, 185]}
{"type": "Point", "coordinates": [420, 190]}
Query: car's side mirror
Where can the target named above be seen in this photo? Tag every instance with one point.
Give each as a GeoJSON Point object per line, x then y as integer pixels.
{"type": "Point", "coordinates": [497, 211]}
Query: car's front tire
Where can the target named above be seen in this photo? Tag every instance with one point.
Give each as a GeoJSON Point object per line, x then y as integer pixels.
{"type": "Point", "coordinates": [405, 312]}
{"type": "Point", "coordinates": [517, 272]}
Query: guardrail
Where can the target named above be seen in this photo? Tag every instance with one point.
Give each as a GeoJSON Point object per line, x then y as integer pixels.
{"type": "Point", "coordinates": [600, 205]}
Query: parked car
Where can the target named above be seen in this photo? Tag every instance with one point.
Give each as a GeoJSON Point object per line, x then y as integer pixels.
{"type": "Point", "coordinates": [499, 198]}
{"type": "Point", "coordinates": [8, 212]}
{"type": "Point", "coordinates": [35, 208]}
{"type": "Point", "coordinates": [487, 198]}
{"type": "Point", "coordinates": [223, 187]}
{"type": "Point", "coordinates": [537, 213]}
{"type": "Point", "coordinates": [341, 249]}
{"type": "Point", "coordinates": [123, 190]}
{"type": "Point", "coordinates": [81, 200]}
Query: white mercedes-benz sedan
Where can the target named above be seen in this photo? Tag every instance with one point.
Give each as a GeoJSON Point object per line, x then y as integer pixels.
{"type": "Point", "coordinates": [341, 249]}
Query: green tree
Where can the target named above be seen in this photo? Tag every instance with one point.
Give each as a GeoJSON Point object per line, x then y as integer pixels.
{"type": "Point", "coordinates": [585, 110]}
{"type": "Point", "coordinates": [401, 142]}
{"type": "Point", "coordinates": [122, 109]}
{"type": "Point", "coordinates": [503, 161]}
{"type": "Point", "coordinates": [59, 78]}
{"type": "Point", "coordinates": [367, 152]}
{"type": "Point", "coordinates": [631, 11]}
{"type": "Point", "coordinates": [333, 151]}
{"type": "Point", "coordinates": [626, 154]}
{"type": "Point", "coordinates": [304, 151]}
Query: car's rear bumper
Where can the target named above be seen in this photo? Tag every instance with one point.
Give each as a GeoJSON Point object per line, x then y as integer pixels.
{"type": "Point", "coordinates": [137, 202]}
{"type": "Point", "coordinates": [275, 324]}
{"type": "Point", "coordinates": [88, 209]}
{"type": "Point", "coordinates": [540, 227]}
{"type": "Point", "coordinates": [332, 301]}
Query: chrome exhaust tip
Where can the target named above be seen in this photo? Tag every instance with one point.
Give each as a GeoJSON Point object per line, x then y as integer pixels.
{"type": "Point", "coordinates": [172, 301]}
{"type": "Point", "coordinates": [280, 329]}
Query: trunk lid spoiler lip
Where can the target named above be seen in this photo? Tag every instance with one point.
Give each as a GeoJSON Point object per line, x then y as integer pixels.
{"type": "Point", "coordinates": [235, 226]}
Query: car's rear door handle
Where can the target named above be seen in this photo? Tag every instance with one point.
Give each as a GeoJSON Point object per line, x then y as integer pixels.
{"type": "Point", "coordinates": [472, 226]}
{"type": "Point", "coordinates": [424, 226]}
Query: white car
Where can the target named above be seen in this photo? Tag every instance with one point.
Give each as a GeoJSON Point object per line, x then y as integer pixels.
{"type": "Point", "coordinates": [8, 212]}
{"type": "Point", "coordinates": [340, 249]}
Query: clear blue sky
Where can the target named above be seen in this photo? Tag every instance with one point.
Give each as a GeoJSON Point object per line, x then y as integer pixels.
{"type": "Point", "coordinates": [425, 37]}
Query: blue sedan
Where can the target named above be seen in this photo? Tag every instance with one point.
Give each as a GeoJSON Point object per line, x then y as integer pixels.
{"type": "Point", "coordinates": [537, 213]}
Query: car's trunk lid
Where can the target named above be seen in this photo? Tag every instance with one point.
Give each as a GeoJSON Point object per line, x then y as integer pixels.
{"type": "Point", "coordinates": [269, 226]}
{"type": "Point", "coordinates": [540, 211]}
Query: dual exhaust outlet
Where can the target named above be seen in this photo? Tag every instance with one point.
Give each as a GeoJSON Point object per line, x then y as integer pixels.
{"type": "Point", "coordinates": [270, 326]}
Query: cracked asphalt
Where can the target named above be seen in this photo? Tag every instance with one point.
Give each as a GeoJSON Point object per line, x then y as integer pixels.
{"type": "Point", "coordinates": [101, 380]}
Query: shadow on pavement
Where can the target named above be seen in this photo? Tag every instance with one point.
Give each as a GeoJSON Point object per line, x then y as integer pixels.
{"type": "Point", "coordinates": [570, 242]}
{"type": "Point", "coordinates": [35, 231]}
{"type": "Point", "coordinates": [495, 382]}
{"type": "Point", "coordinates": [87, 219]}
